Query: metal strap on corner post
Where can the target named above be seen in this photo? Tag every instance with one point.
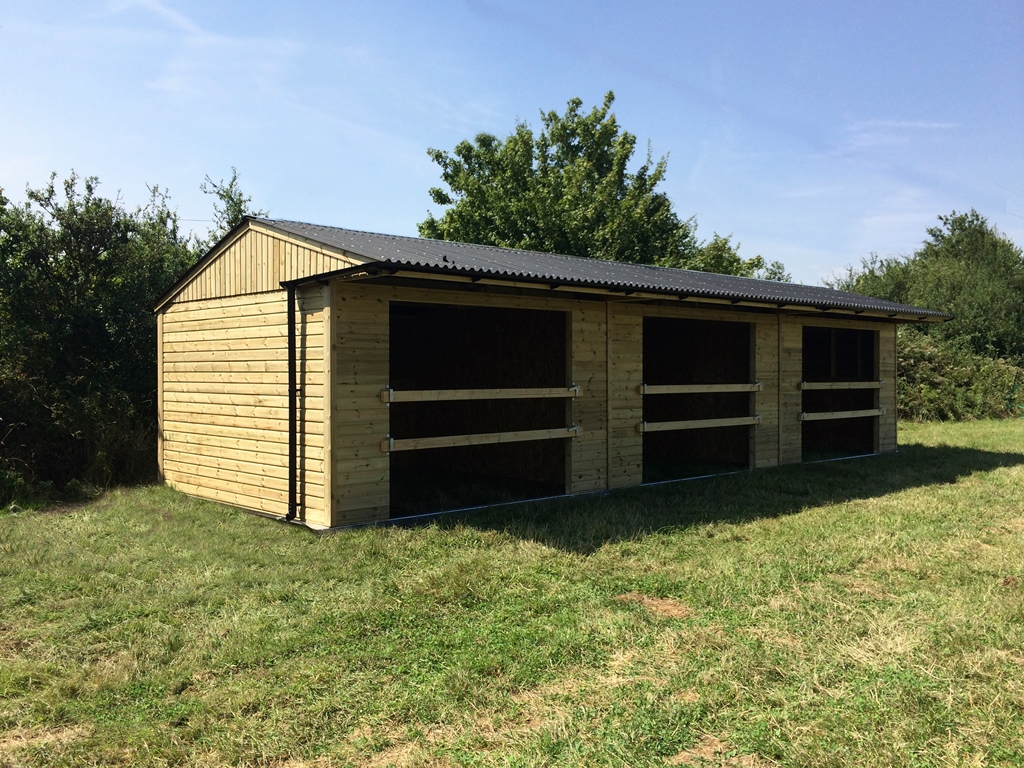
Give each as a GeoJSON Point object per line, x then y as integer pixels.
{"type": "Point", "coordinates": [293, 411]}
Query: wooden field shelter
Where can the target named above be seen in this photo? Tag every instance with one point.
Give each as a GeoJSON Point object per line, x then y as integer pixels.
{"type": "Point", "coordinates": [336, 377]}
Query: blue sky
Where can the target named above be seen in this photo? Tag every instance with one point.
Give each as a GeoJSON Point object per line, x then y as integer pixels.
{"type": "Point", "coordinates": [815, 133]}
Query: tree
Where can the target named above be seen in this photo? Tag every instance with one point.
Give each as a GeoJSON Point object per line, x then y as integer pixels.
{"type": "Point", "coordinates": [969, 367]}
{"type": "Point", "coordinates": [78, 278]}
{"type": "Point", "coordinates": [966, 267]}
{"type": "Point", "coordinates": [568, 190]}
{"type": "Point", "coordinates": [721, 256]}
{"type": "Point", "coordinates": [230, 207]}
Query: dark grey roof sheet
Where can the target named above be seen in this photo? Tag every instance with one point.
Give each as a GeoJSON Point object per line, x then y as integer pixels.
{"type": "Point", "coordinates": [441, 255]}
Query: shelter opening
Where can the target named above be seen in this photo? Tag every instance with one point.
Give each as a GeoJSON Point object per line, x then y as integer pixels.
{"type": "Point", "coordinates": [480, 410]}
{"type": "Point", "coordinates": [698, 397]}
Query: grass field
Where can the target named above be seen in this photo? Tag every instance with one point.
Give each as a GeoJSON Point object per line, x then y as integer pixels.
{"type": "Point", "coordinates": [867, 612]}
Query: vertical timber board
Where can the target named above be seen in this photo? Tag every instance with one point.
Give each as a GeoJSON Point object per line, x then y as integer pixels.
{"type": "Point", "coordinates": [766, 402]}
{"type": "Point", "coordinates": [330, 345]}
{"type": "Point", "coordinates": [309, 349]}
{"type": "Point", "coordinates": [791, 343]}
{"type": "Point", "coordinates": [626, 407]}
{"type": "Point", "coordinates": [887, 357]}
{"type": "Point", "coordinates": [160, 395]}
{"type": "Point", "coordinates": [359, 420]}
{"type": "Point", "coordinates": [589, 452]}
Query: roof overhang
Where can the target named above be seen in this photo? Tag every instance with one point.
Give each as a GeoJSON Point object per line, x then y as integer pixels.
{"type": "Point", "coordinates": [378, 269]}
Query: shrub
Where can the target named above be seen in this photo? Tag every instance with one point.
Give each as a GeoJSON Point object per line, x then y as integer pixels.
{"type": "Point", "coordinates": [946, 380]}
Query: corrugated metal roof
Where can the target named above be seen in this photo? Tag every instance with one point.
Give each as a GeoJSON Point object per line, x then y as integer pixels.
{"type": "Point", "coordinates": [550, 268]}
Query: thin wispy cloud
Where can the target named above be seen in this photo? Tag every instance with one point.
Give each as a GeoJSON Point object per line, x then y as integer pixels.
{"type": "Point", "coordinates": [204, 64]}
{"type": "Point", "coordinates": [870, 134]}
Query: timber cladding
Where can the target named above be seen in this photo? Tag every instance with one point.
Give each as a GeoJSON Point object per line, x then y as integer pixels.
{"type": "Point", "coordinates": [420, 394]}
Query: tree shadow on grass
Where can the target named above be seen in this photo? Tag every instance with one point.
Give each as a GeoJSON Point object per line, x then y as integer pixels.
{"type": "Point", "coordinates": [584, 524]}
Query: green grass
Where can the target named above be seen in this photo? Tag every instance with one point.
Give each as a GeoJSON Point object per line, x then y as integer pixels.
{"type": "Point", "coordinates": [868, 612]}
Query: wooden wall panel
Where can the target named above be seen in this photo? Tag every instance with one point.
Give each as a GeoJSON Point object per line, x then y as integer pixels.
{"type": "Point", "coordinates": [791, 374]}
{"type": "Point", "coordinates": [224, 400]}
{"type": "Point", "coordinates": [160, 396]}
{"type": "Point", "coordinates": [361, 334]}
{"type": "Point", "coordinates": [766, 402]}
{"type": "Point", "coordinates": [887, 440]}
{"type": "Point", "coordinates": [791, 344]}
{"type": "Point", "coordinates": [360, 471]}
{"type": "Point", "coordinates": [310, 344]}
{"type": "Point", "coordinates": [588, 463]}
{"type": "Point", "coordinates": [625, 403]}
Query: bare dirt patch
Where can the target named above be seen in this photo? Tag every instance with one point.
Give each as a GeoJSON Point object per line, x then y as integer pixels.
{"type": "Point", "coordinates": [777, 638]}
{"type": "Point", "coordinates": [863, 586]}
{"type": "Point", "coordinates": [659, 606]}
{"type": "Point", "coordinates": [21, 738]}
{"type": "Point", "coordinates": [1010, 582]}
{"type": "Point", "coordinates": [686, 697]}
{"type": "Point", "coordinates": [713, 751]}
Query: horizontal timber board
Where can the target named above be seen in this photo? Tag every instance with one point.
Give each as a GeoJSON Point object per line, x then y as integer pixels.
{"type": "Point", "coordinates": [243, 377]}
{"type": "Point", "coordinates": [236, 465]}
{"type": "Point", "coordinates": [199, 481]}
{"type": "Point", "coordinates": [226, 354]}
{"type": "Point", "coordinates": [239, 388]}
{"type": "Point", "coordinates": [224, 303]}
{"type": "Point", "coordinates": [187, 485]}
{"type": "Point", "coordinates": [361, 477]}
{"type": "Point", "coordinates": [241, 411]}
{"type": "Point", "coordinates": [276, 365]}
{"type": "Point", "coordinates": [490, 438]}
{"type": "Point", "coordinates": [268, 401]}
{"type": "Point", "coordinates": [840, 385]}
{"type": "Point", "coordinates": [188, 324]}
{"type": "Point", "coordinates": [840, 415]}
{"type": "Point", "coordinates": [276, 487]}
{"type": "Point", "coordinates": [216, 333]}
{"type": "Point", "coordinates": [687, 389]}
{"type": "Point", "coordinates": [426, 395]}
{"type": "Point", "coordinates": [264, 448]}
{"type": "Point", "coordinates": [204, 451]}
{"type": "Point", "coordinates": [216, 345]}
{"type": "Point", "coordinates": [673, 426]}
{"type": "Point", "coordinates": [309, 423]}
{"type": "Point", "coordinates": [375, 464]}
{"type": "Point", "coordinates": [173, 426]}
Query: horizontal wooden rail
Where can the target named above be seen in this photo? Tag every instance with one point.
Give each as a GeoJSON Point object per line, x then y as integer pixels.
{"type": "Point", "coordinates": [696, 389]}
{"type": "Point", "coordinates": [388, 395]}
{"type": "Point", "coordinates": [842, 384]}
{"type": "Point", "coordinates": [390, 444]}
{"type": "Point", "coordinates": [825, 416]}
{"type": "Point", "coordinates": [671, 426]}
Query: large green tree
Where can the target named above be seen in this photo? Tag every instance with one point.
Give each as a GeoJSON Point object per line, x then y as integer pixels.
{"type": "Point", "coordinates": [969, 367]}
{"type": "Point", "coordinates": [78, 278]}
{"type": "Point", "coordinates": [569, 189]}
{"type": "Point", "coordinates": [966, 267]}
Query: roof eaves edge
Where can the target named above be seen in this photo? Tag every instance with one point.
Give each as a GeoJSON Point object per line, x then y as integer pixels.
{"type": "Point", "coordinates": [386, 265]}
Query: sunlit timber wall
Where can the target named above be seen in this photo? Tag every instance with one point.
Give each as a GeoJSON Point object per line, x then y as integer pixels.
{"type": "Point", "coordinates": [603, 388]}
{"type": "Point", "coordinates": [364, 443]}
{"type": "Point", "coordinates": [222, 357]}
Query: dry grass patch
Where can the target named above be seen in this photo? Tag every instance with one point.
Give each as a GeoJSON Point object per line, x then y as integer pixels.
{"type": "Point", "coordinates": [712, 751]}
{"type": "Point", "coordinates": [659, 606]}
{"type": "Point", "coordinates": [863, 586]}
{"type": "Point", "coordinates": [27, 738]}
